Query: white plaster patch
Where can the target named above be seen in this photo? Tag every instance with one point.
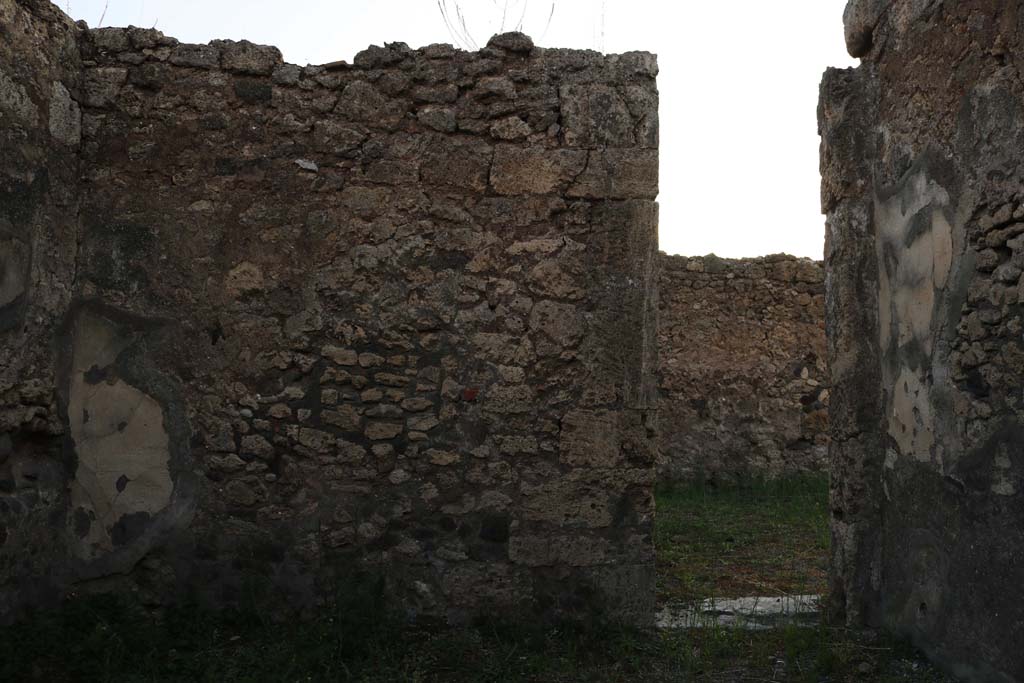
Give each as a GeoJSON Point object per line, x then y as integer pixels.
{"type": "Point", "coordinates": [891, 457]}
{"type": "Point", "coordinates": [120, 440]}
{"type": "Point", "coordinates": [910, 422]}
{"type": "Point", "coordinates": [942, 249]}
{"type": "Point", "coordinates": [907, 296]}
{"type": "Point", "coordinates": [914, 248]}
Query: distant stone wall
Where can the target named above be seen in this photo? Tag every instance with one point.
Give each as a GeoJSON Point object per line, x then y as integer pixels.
{"type": "Point", "coordinates": [395, 316]}
{"type": "Point", "coordinates": [744, 387]}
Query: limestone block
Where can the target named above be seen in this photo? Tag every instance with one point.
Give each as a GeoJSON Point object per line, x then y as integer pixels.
{"type": "Point", "coordinates": [198, 56]}
{"type": "Point", "coordinates": [561, 323]}
{"type": "Point", "coordinates": [66, 117]}
{"type": "Point", "coordinates": [110, 39]}
{"type": "Point", "coordinates": [534, 170]}
{"type": "Point", "coordinates": [595, 116]}
{"type": "Point", "coordinates": [618, 174]}
{"type": "Point", "coordinates": [248, 58]}
{"type": "Point", "coordinates": [591, 439]}
{"type": "Point", "coordinates": [102, 85]}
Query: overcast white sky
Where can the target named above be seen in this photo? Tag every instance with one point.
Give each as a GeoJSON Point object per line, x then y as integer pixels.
{"type": "Point", "coordinates": [739, 87]}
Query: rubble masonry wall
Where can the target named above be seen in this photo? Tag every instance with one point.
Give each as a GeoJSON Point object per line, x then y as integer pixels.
{"type": "Point", "coordinates": [285, 324]}
{"type": "Point", "coordinates": [743, 380]}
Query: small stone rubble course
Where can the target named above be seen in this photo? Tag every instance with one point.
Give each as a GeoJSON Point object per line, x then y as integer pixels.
{"type": "Point", "coordinates": [744, 388]}
{"type": "Point", "coordinates": [279, 323]}
{"type": "Point", "coordinates": [924, 191]}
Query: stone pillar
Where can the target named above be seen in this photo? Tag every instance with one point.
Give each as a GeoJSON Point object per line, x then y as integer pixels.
{"type": "Point", "coordinates": [924, 193]}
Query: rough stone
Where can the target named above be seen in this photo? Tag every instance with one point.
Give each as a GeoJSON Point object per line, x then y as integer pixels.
{"type": "Point", "coordinates": [199, 56]}
{"type": "Point", "coordinates": [102, 85]}
{"type": "Point", "coordinates": [340, 356]}
{"type": "Point", "coordinates": [534, 170]}
{"type": "Point", "coordinates": [65, 116]}
{"type": "Point", "coordinates": [382, 430]}
{"type": "Point", "coordinates": [619, 174]}
{"type": "Point", "coordinates": [439, 118]}
{"type": "Point", "coordinates": [248, 58]}
{"type": "Point", "coordinates": [110, 39]}
{"type": "Point", "coordinates": [596, 116]}
{"type": "Point", "coordinates": [254, 444]}
{"type": "Point", "coordinates": [15, 101]}
{"type": "Point", "coordinates": [513, 42]}
{"type": "Point", "coordinates": [510, 128]}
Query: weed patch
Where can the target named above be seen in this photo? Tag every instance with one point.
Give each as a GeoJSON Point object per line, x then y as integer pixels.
{"type": "Point", "coordinates": [756, 538]}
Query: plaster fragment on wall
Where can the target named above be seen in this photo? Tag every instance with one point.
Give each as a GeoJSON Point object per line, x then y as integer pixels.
{"type": "Point", "coordinates": [915, 255]}
{"type": "Point", "coordinates": [910, 422]}
{"type": "Point", "coordinates": [123, 478]}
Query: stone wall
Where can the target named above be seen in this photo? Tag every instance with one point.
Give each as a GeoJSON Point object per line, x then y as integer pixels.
{"type": "Point", "coordinates": [924, 191]}
{"type": "Point", "coordinates": [743, 376]}
{"type": "Point", "coordinates": [394, 316]}
{"type": "Point", "coordinates": [40, 134]}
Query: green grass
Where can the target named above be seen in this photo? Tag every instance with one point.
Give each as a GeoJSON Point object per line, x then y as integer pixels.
{"type": "Point", "coordinates": [758, 538]}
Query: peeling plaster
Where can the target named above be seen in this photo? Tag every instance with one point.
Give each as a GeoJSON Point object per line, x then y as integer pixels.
{"type": "Point", "coordinates": [123, 450]}
{"type": "Point", "coordinates": [915, 254]}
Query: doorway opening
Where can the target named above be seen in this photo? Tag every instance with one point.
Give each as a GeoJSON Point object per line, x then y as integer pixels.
{"type": "Point", "coordinates": [742, 501]}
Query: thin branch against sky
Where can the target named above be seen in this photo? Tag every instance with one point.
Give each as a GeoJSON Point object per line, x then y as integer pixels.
{"type": "Point", "coordinates": [457, 20]}
{"type": "Point", "coordinates": [465, 29]}
{"type": "Point", "coordinates": [456, 27]}
{"type": "Point", "coordinates": [547, 26]}
{"type": "Point", "coordinates": [522, 17]}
